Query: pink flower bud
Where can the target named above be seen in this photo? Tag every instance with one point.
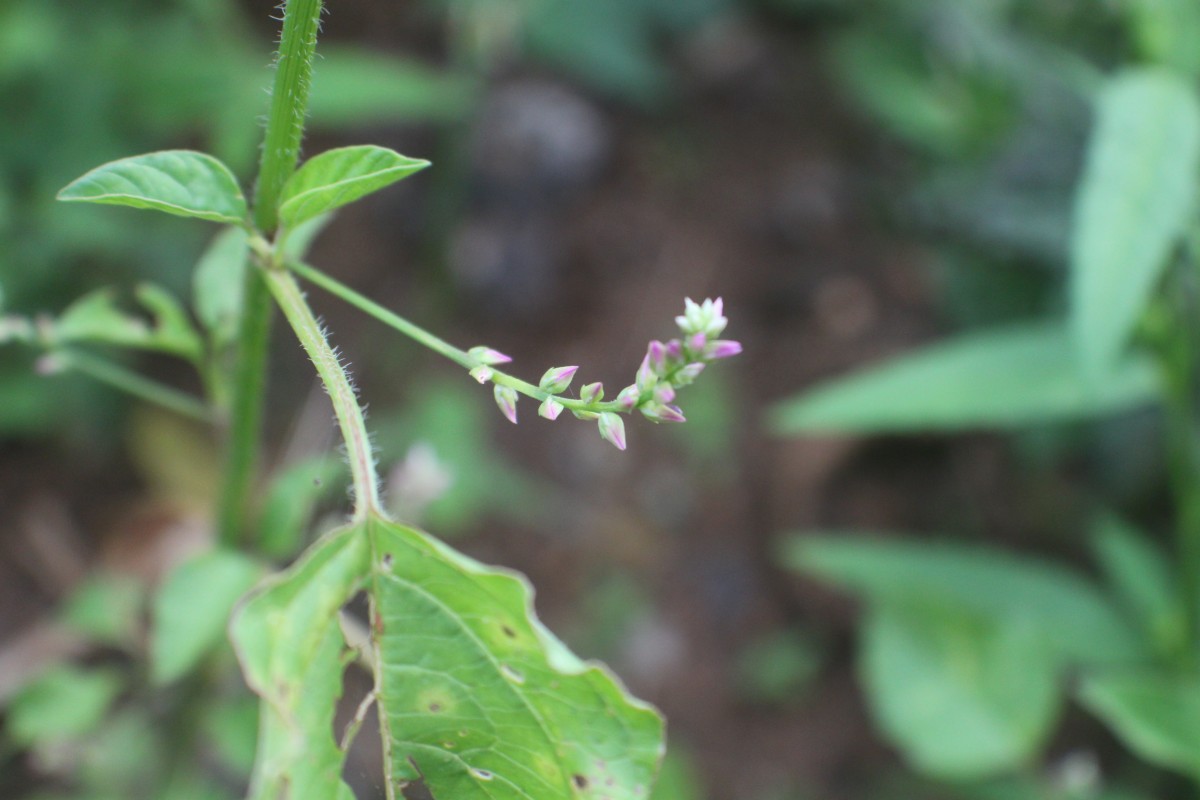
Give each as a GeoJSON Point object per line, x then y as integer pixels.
{"type": "Point", "coordinates": [486, 355]}
{"type": "Point", "coordinates": [612, 428]}
{"type": "Point", "coordinates": [557, 379]}
{"type": "Point", "coordinates": [629, 396]}
{"type": "Point", "coordinates": [506, 399]}
{"type": "Point", "coordinates": [675, 350]}
{"type": "Point", "coordinates": [482, 374]}
{"type": "Point", "coordinates": [662, 413]}
{"type": "Point", "coordinates": [664, 393]}
{"type": "Point", "coordinates": [550, 409]}
{"type": "Point", "coordinates": [592, 392]}
{"type": "Point", "coordinates": [656, 353]}
{"type": "Point", "coordinates": [697, 341]}
{"type": "Point", "coordinates": [685, 376]}
{"type": "Point", "coordinates": [647, 378]}
{"type": "Point", "coordinates": [722, 348]}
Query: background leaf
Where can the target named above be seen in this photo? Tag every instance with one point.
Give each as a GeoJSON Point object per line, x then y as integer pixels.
{"type": "Point", "coordinates": [1135, 200]}
{"type": "Point", "coordinates": [1002, 378]}
{"type": "Point", "coordinates": [64, 702]}
{"type": "Point", "coordinates": [1158, 717]}
{"type": "Point", "coordinates": [95, 317]}
{"type": "Point", "coordinates": [480, 700]}
{"type": "Point", "coordinates": [1064, 605]}
{"type": "Point", "coordinates": [192, 608]}
{"type": "Point", "coordinates": [180, 182]}
{"type": "Point", "coordinates": [354, 87]}
{"type": "Point", "coordinates": [338, 177]}
{"type": "Point", "coordinates": [217, 283]}
{"type": "Point", "coordinates": [962, 698]}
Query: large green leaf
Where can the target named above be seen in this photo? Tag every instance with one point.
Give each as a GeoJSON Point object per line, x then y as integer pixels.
{"type": "Point", "coordinates": [962, 698]}
{"type": "Point", "coordinates": [341, 176]}
{"type": "Point", "coordinates": [1134, 202]}
{"type": "Point", "coordinates": [180, 182]}
{"type": "Point", "coordinates": [480, 700]}
{"type": "Point", "coordinates": [1003, 378]}
{"type": "Point", "coordinates": [1064, 605]}
{"type": "Point", "coordinates": [1157, 716]}
{"type": "Point", "coordinates": [288, 639]}
{"type": "Point", "coordinates": [192, 609]}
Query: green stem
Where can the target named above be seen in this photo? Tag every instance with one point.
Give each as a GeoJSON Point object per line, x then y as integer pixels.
{"type": "Point", "coordinates": [280, 152]}
{"type": "Point", "coordinates": [132, 383]}
{"type": "Point", "coordinates": [419, 334]}
{"type": "Point", "coordinates": [345, 403]}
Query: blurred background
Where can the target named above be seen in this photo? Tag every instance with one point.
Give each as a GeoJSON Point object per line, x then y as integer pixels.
{"type": "Point", "coordinates": [855, 179]}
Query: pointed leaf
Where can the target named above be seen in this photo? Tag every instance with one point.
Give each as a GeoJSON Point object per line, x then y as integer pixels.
{"type": "Point", "coordinates": [1134, 202]}
{"type": "Point", "coordinates": [191, 610]}
{"type": "Point", "coordinates": [962, 699]}
{"type": "Point", "coordinates": [480, 700]}
{"type": "Point", "coordinates": [1066, 606]}
{"type": "Point", "coordinates": [95, 317]}
{"type": "Point", "coordinates": [1157, 716]}
{"type": "Point", "coordinates": [180, 182]}
{"type": "Point", "coordinates": [1003, 378]}
{"type": "Point", "coordinates": [341, 176]}
{"type": "Point", "coordinates": [292, 653]}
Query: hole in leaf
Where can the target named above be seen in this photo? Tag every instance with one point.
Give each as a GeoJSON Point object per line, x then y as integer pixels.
{"type": "Point", "coordinates": [435, 707]}
{"type": "Point", "coordinates": [580, 781]}
{"type": "Point", "coordinates": [482, 774]}
{"type": "Point", "coordinates": [509, 632]}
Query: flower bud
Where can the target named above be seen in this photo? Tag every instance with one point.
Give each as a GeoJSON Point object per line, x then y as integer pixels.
{"type": "Point", "coordinates": [585, 415]}
{"type": "Point", "coordinates": [688, 374]}
{"type": "Point", "coordinates": [557, 379]}
{"type": "Point", "coordinates": [647, 378]}
{"type": "Point", "coordinates": [592, 392]}
{"type": "Point", "coordinates": [628, 398]}
{"type": "Point", "coordinates": [550, 409]}
{"type": "Point", "coordinates": [486, 355]}
{"type": "Point", "coordinates": [506, 399]}
{"type": "Point", "coordinates": [656, 412]}
{"type": "Point", "coordinates": [675, 350]}
{"type": "Point", "coordinates": [664, 393]}
{"type": "Point", "coordinates": [657, 355]}
{"type": "Point", "coordinates": [696, 342]}
{"type": "Point", "coordinates": [722, 348]}
{"type": "Point", "coordinates": [482, 374]}
{"type": "Point", "coordinates": [612, 428]}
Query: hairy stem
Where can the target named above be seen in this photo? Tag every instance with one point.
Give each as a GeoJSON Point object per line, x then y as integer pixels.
{"type": "Point", "coordinates": [345, 403]}
{"type": "Point", "coordinates": [280, 152]}
{"type": "Point", "coordinates": [132, 383]}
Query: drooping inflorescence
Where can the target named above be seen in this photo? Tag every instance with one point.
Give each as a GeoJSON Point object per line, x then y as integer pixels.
{"type": "Point", "coordinates": [666, 368]}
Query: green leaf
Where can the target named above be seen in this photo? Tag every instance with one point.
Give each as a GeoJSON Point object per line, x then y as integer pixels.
{"type": "Point", "coordinates": [1134, 202]}
{"type": "Point", "coordinates": [217, 283]}
{"type": "Point", "coordinates": [1010, 377]}
{"type": "Point", "coordinates": [292, 653]}
{"type": "Point", "coordinates": [994, 585]}
{"type": "Point", "coordinates": [105, 608]}
{"type": "Point", "coordinates": [95, 317]}
{"type": "Point", "coordinates": [341, 176]}
{"type": "Point", "coordinates": [1157, 716]}
{"type": "Point", "coordinates": [180, 182]}
{"type": "Point", "coordinates": [1166, 32]}
{"type": "Point", "coordinates": [64, 702]}
{"type": "Point", "coordinates": [1142, 578]}
{"type": "Point", "coordinates": [192, 609]}
{"type": "Point", "coordinates": [291, 498]}
{"type": "Point", "coordinates": [962, 699]}
{"type": "Point", "coordinates": [481, 701]}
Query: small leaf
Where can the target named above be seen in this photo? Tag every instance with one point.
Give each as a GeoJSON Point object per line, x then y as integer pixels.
{"type": "Point", "coordinates": [95, 317]}
{"type": "Point", "coordinates": [1142, 577]}
{"type": "Point", "coordinates": [192, 610]}
{"type": "Point", "coordinates": [962, 698]}
{"type": "Point", "coordinates": [180, 182]}
{"type": "Point", "coordinates": [1064, 605]}
{"type": "Point", "coordinates": [1134, 202]}
{"type": "Point", "coordinates": [1003, 378]}
{"type": "Point", "coordinates": [341, 176]}
{"type": "Point", "coordinates": [290, 500]}
{"type": "Point", "coordinates": [481, 701]}
{"type": "Point", "coordinates": [1157, 716]}
{"type": "Point", "coordinates": [217, 283]}
{"type": "Point", "coordinates": [106, 608]}
{"type": "Point", "coordinates": [63, 703]}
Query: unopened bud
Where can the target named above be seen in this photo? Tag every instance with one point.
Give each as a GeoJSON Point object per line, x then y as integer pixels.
{"type": "Point", "coordinates": [657, 355]}
{"type": "Point", "coordinates": [647, 378]}
{"type": "Point", "coordinates": [557, 379]}
{"type": "Point", "coordinates": [550, 408]}
{"type": "Point", "coordinates": [722, 348]}
{"type": "Point", "coordinates": [664, 393]}
{"type": "Point", "coordinates": [506, 399]}
{"type": "Point", "coordinates": [688, 374]}
{"type": "Point", "coordinates": [482, 374]}
{"type": "Point", "coordinates": [696, 342]}
{"type": "Point", "coordinates": [486, 355]}
{"type": "Point", "coordinates": [592, 393]}
{"type": "Point", "coordinates": [585, 415]}
{"type": "Point", "coordinates": [628, 397]}
{"type": "Point", "coordinates": [612, 428]}
{"type": "Point", "coordinates": [656, 412]}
